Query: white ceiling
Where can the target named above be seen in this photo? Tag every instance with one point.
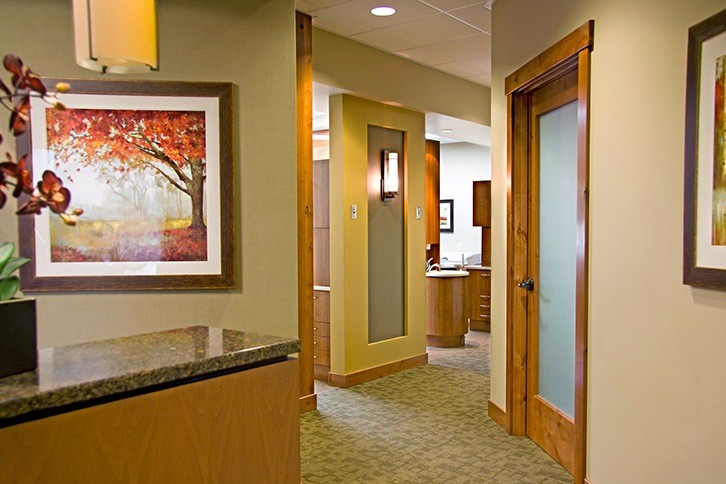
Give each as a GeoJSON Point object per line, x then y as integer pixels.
{"type": "Point", "coordinates": [453, 36]}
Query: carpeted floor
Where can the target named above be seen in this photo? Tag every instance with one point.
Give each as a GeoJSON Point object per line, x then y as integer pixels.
{"type": "Point", "coordinates": [425, 425]}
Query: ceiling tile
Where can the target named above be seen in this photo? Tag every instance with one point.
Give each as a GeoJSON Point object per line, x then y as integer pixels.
{"type": "Point", "coordinates": [484, 79]}
{"type": "Point", "coordinates": [382, 41]}
{"type": "Point", "coordinates": [482, 64]}
{"type": "Point", "coordinates": [446, 5]}
{"type": "Point", "coordinates": [471, 47]}
{"type": "Point", "coordinates": [459, 69]}
{"type": "Point", "coordinates": [304, 7]}
{"type": "Point", "coordinates": [360, 11]}
{"type": "Point", "coordinates": [476, 15]}
{"type": "Point", "coordinates": [430, 30]}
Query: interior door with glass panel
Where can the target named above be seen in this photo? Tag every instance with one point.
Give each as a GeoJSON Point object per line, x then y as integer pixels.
{"type": "Point", "coordinates": [552, 263]}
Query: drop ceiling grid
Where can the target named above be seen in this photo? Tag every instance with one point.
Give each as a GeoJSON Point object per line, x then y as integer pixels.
{"type": "Point", "coordinates": [453, 36]}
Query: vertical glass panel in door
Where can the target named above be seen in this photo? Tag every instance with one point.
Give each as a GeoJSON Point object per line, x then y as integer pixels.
{"type": "Point", "coordinates": [557, 259]}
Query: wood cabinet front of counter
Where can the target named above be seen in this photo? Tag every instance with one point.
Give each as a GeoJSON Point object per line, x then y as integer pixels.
{"type": "Point", "coordinates": [239, 427]}
{"type": "Point", "coordinates": [446, 321]}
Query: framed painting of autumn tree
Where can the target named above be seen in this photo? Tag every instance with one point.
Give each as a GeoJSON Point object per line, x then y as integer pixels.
{"type": "Point", "coordinates": [704, 220]}
{"type": "Point", "coordinates": [151, 166]}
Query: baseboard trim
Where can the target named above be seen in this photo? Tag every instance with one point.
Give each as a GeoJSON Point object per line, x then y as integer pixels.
{"type": "Point", "coordinates": [370, 374]}
{"type": "Point", "coordinates": [308, 403]}
{"type": "Point", "coordinates": [498, 415]}
{"type": "Point", "coordinates": [478, 325]}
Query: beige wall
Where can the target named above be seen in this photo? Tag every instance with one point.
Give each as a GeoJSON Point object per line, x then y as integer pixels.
{"type": "Point", "coordinates": [251, 44]}
{"type": "Point", "coordinates": [657, 390]}
{"type": "Point", "coordinates": [371, 73]}
{"type": "Point", "coordinates": [349, 120]}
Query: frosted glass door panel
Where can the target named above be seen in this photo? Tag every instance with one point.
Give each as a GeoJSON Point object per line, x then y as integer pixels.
{"type": "Point", "coordinates": [557, 262]}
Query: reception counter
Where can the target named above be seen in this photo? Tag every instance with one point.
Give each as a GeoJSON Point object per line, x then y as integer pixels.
{"type": "Point", "coordinates": [196, 404]}
{"type": "Point", "coordinates": [446, 322]}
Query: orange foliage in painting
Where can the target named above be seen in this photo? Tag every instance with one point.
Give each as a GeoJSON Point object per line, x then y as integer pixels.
{"type": "Point", "coordinates": [171, 143]}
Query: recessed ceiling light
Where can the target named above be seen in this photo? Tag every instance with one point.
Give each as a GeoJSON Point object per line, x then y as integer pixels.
{"type": "Point", "coordinates": [447, 130]}
{"type": "Point", "coordinates": [383, 11]}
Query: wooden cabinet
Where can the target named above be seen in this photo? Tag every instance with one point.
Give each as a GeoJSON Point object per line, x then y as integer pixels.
{"type": "Point", "coordinates": [479, 287]}
{"type": "Point", "coordinates": [482, 204]}
{"type": "Point", "coordinates": [482, 211]}
{"type": "Point", "coordinates": [432, 200]}
{"type": "Point", "coordinates": [321, 334]}
{"type": "Point", "coordinates": [446, 311]}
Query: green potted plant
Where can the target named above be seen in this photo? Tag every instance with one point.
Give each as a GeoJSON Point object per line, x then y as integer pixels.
{"type": "Point", "coordinates": [18, 333]}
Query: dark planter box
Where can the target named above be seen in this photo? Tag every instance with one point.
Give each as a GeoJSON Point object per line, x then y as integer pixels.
{"type": "Point", "coordinates": [18, 337]}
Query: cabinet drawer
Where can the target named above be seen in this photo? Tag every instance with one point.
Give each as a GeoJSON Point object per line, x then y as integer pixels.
{"type": "Point", "coordinates": [321, 357]}
{"type": "Point", "coordinates": [485, 282]}
{"type": "Point", "coordinates": [484, 310]}
{"type": "Point", "coordinates": [321, 329]}
{"type": "Point", "coordinates": [321, 306]}
{"type": "Point", "coordinates": [321, 343]}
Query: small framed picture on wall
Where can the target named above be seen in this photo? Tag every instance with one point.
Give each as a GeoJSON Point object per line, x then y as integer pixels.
{"type": "Point", "coordinates": [446, 216]}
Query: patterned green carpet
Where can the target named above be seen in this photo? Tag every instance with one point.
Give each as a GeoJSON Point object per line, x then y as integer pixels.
{"type": "Point", "coordinates": [425, 425]}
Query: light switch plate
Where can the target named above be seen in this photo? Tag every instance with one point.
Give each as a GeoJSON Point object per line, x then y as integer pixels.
{"type": "Point", "coordinates": [354, 212]}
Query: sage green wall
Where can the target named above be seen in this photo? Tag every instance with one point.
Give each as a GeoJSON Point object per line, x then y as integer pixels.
{"type": "Point", "coordinates": [252, 44]}
{"type": "Point", "coordinates": [657, 391]}
{"type": "Point", "coordinates": [350, 350]}
{"type": "Point", "coordinates": [385, 77]}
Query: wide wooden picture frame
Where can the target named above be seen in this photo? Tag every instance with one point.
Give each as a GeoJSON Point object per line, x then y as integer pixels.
{"type": "Point", "coordinates": [151, 165]}
{"type": "Point", "coordinates": [704, 241]}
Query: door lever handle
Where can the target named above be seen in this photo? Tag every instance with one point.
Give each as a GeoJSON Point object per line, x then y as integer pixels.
{"type": "Point", "coordinates": [527, 284]}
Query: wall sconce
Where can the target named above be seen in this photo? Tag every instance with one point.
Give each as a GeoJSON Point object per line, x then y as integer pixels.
{"type": "Point", "coordinates": [389, 175]}
{"type": "Point", "coordinates": [116, 36]}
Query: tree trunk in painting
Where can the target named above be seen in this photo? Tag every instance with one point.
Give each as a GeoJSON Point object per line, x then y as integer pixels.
{"type": "Point", "coordinates": [196, 192]}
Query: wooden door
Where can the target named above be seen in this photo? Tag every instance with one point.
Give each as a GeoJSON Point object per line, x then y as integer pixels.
{"type": "Point", "coordinates": [557, 80]}
{"type": "Point", "coordinates": [552, 260]}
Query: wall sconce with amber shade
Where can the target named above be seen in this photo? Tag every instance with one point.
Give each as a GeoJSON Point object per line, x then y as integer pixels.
{"type": "Point", "coordinates": [116, 36]}
{"type": "Point", "coordinates": [389, 175]}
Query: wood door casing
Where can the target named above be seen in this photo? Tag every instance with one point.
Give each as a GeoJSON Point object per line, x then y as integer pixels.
{"type": "Point", "coordinates": [573, 50]}
{"type": "Point", "coordinates": [546, 425]}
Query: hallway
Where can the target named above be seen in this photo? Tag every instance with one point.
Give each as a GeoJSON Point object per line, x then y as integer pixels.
{"type": "Point", "coordinates": [425, 425]}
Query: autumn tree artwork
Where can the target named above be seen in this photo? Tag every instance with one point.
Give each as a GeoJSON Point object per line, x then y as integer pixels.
{"type": "Point", "coordinates": [719, 166]}
{"type": "Point", "coordinates": [147, 171]}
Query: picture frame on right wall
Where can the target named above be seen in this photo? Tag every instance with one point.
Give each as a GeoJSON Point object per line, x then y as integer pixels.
{"type": "Point", "coordinates": [704, 238]}
{"type": "Point", "coordinates": [446, 216]}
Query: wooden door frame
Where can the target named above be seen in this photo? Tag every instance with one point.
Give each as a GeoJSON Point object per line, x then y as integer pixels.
{"type": "Point", "coordinates": [572, 52]}
{"type": "Point", "coordinates": [304, 135]}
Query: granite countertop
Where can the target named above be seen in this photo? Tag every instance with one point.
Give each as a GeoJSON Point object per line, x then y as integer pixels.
{"type": "Point", "coordinates": [71, 375]}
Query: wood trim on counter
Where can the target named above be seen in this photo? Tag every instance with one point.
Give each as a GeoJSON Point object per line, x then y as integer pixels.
{"type": "Point", "coordinates": [370, 374]}
{"type": "Point", "coordinates": [498, 415]}
{"type": "Point", "coordinates": [309, 403]}
{"type": "Point", "coordinates": [304, 125]}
